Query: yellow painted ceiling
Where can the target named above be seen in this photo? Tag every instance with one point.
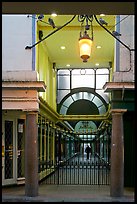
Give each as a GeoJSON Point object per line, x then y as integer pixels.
{"type": "Point", "coordinates": [69, 36]}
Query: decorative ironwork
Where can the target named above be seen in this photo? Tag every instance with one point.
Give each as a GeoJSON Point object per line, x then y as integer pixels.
{"type": "Point", "coordinates": [21, 145]}
{"type": "Point", "coordinates": [78, 172]}
{"type": "Point", "coordinates": [84, 20]}
{"type": "Point", "coordinates": [8, 149]}
{"type": "Point", "coordinates": [76, 169]}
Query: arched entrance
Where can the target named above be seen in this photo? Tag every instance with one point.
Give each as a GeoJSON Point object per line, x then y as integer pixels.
{"type": "Point", "coordinates": [77, 169]}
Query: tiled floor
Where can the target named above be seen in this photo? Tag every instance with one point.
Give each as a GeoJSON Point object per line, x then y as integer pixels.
{"type": "Point", "coordinates": [66, 193]}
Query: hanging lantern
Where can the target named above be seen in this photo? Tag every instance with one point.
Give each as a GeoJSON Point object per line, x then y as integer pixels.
{"type": "Point", "coordinates": [85, 43]}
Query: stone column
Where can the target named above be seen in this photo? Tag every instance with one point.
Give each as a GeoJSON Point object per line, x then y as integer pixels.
{"type": "Point", "coordinates": [31, 155]}
{"type": "Point", "coordinates": [117, 154]}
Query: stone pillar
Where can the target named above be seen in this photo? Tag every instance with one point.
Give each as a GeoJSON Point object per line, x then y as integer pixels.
{"type": "Point", "coordinates": [117, 154]}
{"type": "Point", "coordinates": [31, 155]}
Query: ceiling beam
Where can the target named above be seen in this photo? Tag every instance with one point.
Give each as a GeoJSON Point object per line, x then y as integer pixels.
{"type": "Point", "coordinates": [83, 117]}
{"type": "Point", "coordinates": [109, 8]}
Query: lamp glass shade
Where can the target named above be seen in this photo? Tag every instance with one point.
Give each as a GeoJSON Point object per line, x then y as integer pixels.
{"type": "Point", "coordinates": [85, 48]}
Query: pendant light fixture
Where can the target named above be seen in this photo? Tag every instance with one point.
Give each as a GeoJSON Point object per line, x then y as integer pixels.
{"type": "Point", "coordinates": [85, 42]}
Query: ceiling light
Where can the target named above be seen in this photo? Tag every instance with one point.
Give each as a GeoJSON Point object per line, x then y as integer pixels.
{"type": "Point", "coordinates": [98, 46]}
{"type": "Point", "coordinates": [97, 64]}
{"type": "Point", "coordinates": [102, 14]}
{"type": "Point", "coordinates": [68, 65]}
{"type": "Point", "coordinates": [53, 14]}
{"type": "Point", "coordinates": [85, 42]}
{"type": "Point", "coordinates": [63, 47]}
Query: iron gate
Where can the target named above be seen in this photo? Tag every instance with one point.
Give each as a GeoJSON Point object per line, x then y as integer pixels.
{"type": "Point", "coordinates": [79, 171]}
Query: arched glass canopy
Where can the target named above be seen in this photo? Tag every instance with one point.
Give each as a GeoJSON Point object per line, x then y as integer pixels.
{"type": "Point", "coordinates": [81, 96]}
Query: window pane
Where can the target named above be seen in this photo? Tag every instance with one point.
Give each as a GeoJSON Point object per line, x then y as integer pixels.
{"type": "Point", "coordinates": [77, 96]}
{"type": "Point", "coordinates": [76, 71]}
{"type": "Point", "coordinates": [62, 94]}
{"type": "Point", "coordinates": [105, 96]}
{"type": "Point", "coordinates": [82, 81]}
{"type": "Point", "coordinates": [102, 110]}
{"type": "Point", "coordinates": [68, 102]}
{"type": "Point", "coordinates": [82, 71]}
{"type": "Point", "coordinates": [102, 71]}
{"type": "Point", "coordinates": [63, 110]}
{"type": "Point", "coordinates": [97, 101]}
{"type": "Point", "coordinates": [88, 96]}
{"type": "Point", "coordinates": [63, 82]}
{"type": "Point", "coordinates": [62, 72]}
{"type": "Point", "coordinates": [90, 71]}
{"type": "Point", "coordinates": [101, 80]}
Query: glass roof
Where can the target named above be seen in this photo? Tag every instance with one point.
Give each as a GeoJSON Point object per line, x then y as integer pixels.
{"type": "Point", "coordinates": [80, 96]}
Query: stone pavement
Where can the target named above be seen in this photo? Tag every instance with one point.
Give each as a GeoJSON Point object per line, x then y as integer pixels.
{"type": "Point", "coordinates": [66, 193]}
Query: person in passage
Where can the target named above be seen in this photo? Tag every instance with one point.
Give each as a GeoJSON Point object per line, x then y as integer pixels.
{"type": "Point", "coordinates": [88, 150]}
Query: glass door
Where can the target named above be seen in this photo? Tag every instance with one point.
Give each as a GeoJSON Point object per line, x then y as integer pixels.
{"type": "Point", "coordinates": [8, 154]}
{"type": "Point", "coordinates": [20, 149]}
